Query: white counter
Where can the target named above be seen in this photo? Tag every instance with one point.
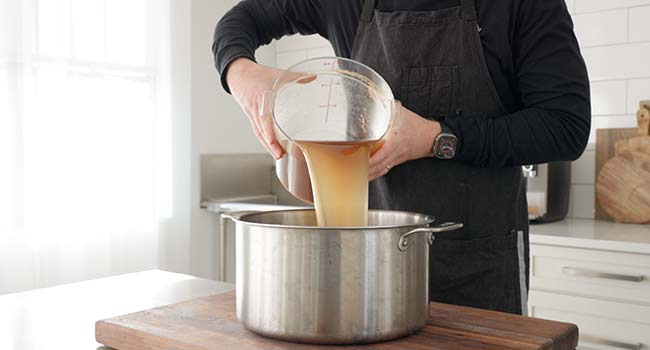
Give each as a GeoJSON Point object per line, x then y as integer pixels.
{"type": "Point", "coordinates": [593, 234]}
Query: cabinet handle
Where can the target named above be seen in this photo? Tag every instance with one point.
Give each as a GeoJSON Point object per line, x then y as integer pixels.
{"type": "Point", "coordinates": [580, 272]}
{"type": "Point", "coordinates": [613, 343]}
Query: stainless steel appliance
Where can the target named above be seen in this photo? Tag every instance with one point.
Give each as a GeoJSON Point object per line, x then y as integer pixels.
{"type": "Point", "coordinates": [329, 285]}
{"type": "Point", "coordinates": [233, 182]}
{"type": "Point", "coordinates": [548, 187]}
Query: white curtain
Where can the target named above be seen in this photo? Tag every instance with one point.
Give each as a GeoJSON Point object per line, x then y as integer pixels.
{"type": "Point", "coordinates": [93, 102]}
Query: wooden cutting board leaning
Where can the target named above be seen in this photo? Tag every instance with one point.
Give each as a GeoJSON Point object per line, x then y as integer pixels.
{"type": "Point", "coordinates": [623, 181]}
{"type": "Point", "coordinates": [211, 323]}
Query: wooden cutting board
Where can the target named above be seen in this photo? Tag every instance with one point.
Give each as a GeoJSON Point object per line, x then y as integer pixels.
{"type": "Point", "coordinates": [623, 171]}
{"type": "Point", "coordinates": [606, 140]}
{"type": "Point", "coordinates": [211, 323]}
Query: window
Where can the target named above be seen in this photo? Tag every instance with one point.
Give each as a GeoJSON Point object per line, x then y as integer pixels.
{"type": "Point", "coordinates": [84, 129]}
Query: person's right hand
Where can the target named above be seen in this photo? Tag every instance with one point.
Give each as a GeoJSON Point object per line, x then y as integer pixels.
{"type": "Point", "coordinates": [248, 81]}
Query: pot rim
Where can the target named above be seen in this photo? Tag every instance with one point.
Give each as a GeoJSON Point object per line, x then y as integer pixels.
{"type": "Point", "coordinates": [241, 217]}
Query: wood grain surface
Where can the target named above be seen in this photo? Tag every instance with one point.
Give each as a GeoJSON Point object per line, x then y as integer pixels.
{"type": "Point", "coordinates": [623, 177]}
{"type": "Point", "coordinates": [606, 140]}
{"type": "Point", "coordinates": [211, 323]}
{"type": "Point", "coordinates": [623, 187]}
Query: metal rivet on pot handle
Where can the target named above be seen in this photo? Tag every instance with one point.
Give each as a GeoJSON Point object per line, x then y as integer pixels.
{"type": "Point", "coordinates": [403, 242]}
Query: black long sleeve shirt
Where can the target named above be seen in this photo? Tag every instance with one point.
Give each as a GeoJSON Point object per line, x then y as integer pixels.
{"type": "Point", "coordinates": [529, 45]}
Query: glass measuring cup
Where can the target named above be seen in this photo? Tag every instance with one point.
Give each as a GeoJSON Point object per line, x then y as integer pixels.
{"type": "Point", "coordinates": [326, 99]}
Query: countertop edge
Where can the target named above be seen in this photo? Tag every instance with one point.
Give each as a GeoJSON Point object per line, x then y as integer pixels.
{"type": "Point", "coordinates": [590, 243]}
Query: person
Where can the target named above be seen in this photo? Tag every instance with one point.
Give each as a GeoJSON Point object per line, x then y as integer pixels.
{"type": "Point", "coordinates": [487, 86]}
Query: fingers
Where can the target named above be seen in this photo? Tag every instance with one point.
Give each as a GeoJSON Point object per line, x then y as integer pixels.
{"type": "Point", "coordinates": [381, 166]}
{"type": "Point", "coordinates": [382, 170]}
{"type": "Point", "coordinates": [301, 78]}
{"type": "Point", "coordinates": [275, 151]}
{"type": "Point", "coordinates": [380, 158]}
{"type": "Point", "coordinates": [396, 158]}
{"type": "Point", "coordinates": [264, 122]}
{"type": "Point", "coordinates": [257, 103]}
{"type": "Point", "coordinates": [392, 153]}
{"type": "Point", "coordinates": [266, 127]}
{"type": "Point", "coordinates": [263, 117]}
{"type": "Point", "coordinates": [307, 79]}
{"type": "Point", "coordinates": [388, 144]}
{"type": "Point", "coordinates": [260, 137]}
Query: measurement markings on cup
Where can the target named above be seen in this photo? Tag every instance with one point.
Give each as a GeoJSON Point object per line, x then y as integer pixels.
{"type": "Point", "coordinates": [329, 98]}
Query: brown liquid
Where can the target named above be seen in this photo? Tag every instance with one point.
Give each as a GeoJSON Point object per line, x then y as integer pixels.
{"type": "Point", "coordinates": [339, 181]}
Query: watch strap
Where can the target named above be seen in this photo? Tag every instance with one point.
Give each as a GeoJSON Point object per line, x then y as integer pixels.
{"type": "Point", "coordinates": [445, 129]}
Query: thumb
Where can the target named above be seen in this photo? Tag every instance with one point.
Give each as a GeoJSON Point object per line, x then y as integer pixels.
{"type": "Point", "coordinates": [299, 77]}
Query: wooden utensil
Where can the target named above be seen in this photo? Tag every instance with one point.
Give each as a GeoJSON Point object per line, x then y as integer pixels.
{"type": "Point", "coordinates": [623, 182]}
{"type": "Point", "coordinates": [211, 323]}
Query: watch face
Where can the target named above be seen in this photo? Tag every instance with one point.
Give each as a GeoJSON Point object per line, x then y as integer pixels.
{"type": "Point", "coordinates": [446, 147]}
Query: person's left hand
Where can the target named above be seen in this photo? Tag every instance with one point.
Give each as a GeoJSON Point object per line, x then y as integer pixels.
{"type": "Point", "coordinates": [412, 139]}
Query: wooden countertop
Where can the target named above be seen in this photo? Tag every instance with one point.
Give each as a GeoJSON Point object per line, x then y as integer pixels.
{"type": "Point", "coordinates": [63, 317]}
{"type": "Point", "coordinates": [210, 323]}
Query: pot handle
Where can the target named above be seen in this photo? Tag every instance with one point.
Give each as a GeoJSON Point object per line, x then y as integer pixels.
{"type": "Point", "coordinates": [403, 242]}
{"type": "Point", "coordinates": [236, 215]}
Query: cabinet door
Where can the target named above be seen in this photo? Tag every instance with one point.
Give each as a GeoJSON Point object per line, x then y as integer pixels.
{"type": "Point", "coordinates": [617, 276]}
{"type": "Point", "coordinates": [602, 324]}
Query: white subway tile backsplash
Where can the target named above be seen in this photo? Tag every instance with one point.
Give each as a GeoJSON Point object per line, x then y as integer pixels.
{"type": "Point", "coordinates": [619, 121]}
{"type": "Point", "coordinates": [608, 97]}
{"type": "Point", "coordinates": [300, 42]}
{"type": "Point", "coordinates": [321, 52]}
{"type": "Point", "coordinates": [601, 28]}
{"type": "Point", "coordinates": [293, 49]}
{"type": "Point", "coordinates": [637, 90]}
{"type": "Point", "coordinates": [599, 5]}
{"type": "Point", "coordinates": [618, 61]}
{"type": "Point", "coordinates": [287, 59]}
{"type": "Point", "coordinates": [615, 42]}
{"type": "Point", "coordinates": [582, 201]}
{"type": "Point", "coordinates": [640, 24]}
{"type": "Point", "coordinates": [582, 170]}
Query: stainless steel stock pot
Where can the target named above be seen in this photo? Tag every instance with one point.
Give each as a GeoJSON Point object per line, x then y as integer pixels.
{"type": "Point", "coordinates": [333, 285]}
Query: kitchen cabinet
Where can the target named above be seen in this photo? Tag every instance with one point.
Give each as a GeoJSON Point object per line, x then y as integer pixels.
{"type": "Point", "coordinates": [594, 274]}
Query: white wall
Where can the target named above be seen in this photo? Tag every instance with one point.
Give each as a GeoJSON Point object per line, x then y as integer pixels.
{"type": "Point", "coordinates": [173, 246]}
{"type": "Point", "coordinates": [218, 125]}
{"type": "Point", "coordinates": [614, 36]}
{"type": "Point", "coordinates": [295, 48]}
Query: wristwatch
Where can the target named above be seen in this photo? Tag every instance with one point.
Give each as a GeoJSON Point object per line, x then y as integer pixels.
{"type": "Point", "coordinates": [445, 144]}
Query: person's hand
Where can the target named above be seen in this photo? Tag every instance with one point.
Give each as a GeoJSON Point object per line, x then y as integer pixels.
{"type": "Point", "coordinates": [412, 139]}
{"type": "Point", "coordinates": [248, 81]}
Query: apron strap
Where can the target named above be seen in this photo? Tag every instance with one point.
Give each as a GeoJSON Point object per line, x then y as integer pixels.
{"type": "Point", "coordinates": [368, 10]}
{"type": "Point", "coordinates": [468, 10]}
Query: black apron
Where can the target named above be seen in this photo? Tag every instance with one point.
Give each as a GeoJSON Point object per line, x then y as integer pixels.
{"type": "Point", "coordinates": [434, 63]}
